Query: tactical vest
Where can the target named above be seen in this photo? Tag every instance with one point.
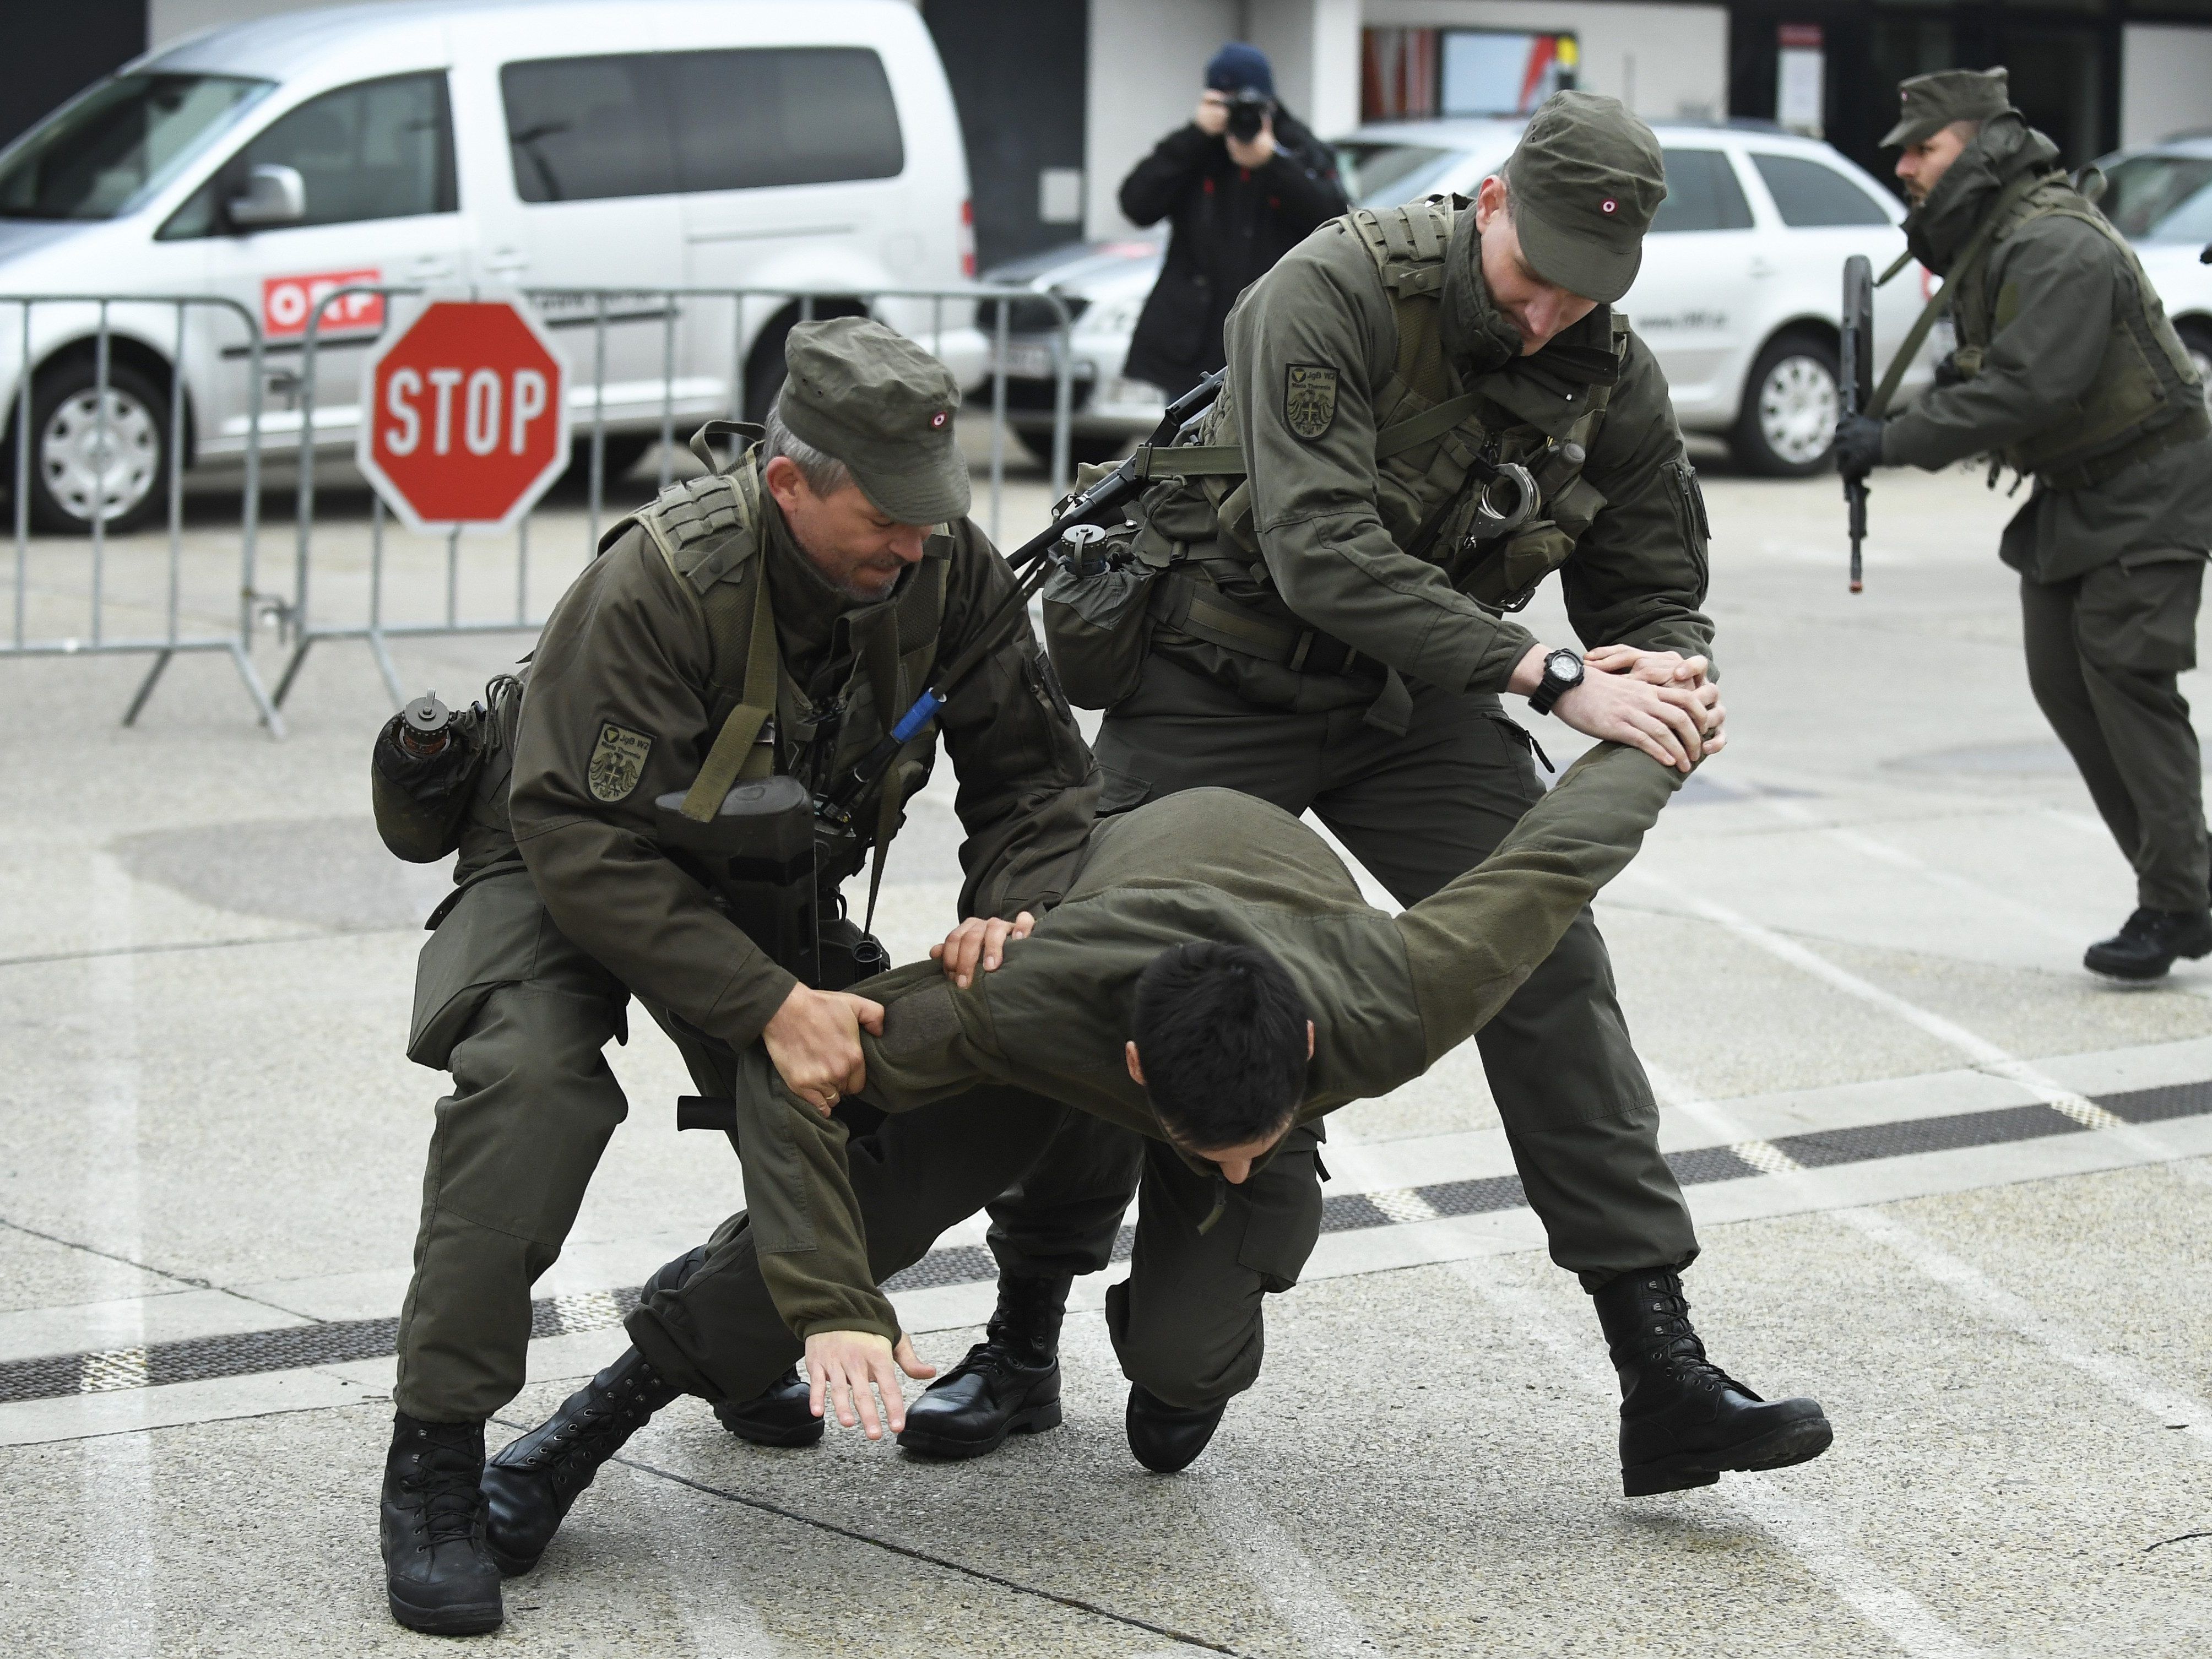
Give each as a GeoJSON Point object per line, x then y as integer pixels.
{"type": "Point", "coordinates": [708, 530]}
{"type": "Point", "coordinates": [1430, 435]}
{"type": "Point", "coordinates": [2148, 395]}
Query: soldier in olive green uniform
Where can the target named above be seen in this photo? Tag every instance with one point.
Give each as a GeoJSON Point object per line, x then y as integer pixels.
{"type": "Point", "coordinates": [979, 1076]}
{"type": "Point", "coordinates": [772, 619]}
{"type": "Point", "coordinates": [1317, 612]}
{"type": "Point", "coordinates": [2068, 371]}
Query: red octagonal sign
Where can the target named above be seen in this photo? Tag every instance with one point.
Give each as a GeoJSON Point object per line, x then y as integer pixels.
{"type": "Point", "coordinates": [467, 415]}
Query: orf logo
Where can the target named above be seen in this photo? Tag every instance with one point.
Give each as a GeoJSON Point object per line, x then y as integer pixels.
{"type": "Point", "coordinates": [465, 415]}
{"type": "Point", "coordinates": [287, 302]}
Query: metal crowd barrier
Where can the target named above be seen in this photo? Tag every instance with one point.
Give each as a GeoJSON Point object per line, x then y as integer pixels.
{"type": "Point", "coordinates": [304, 629]}
{"type": "Point", "coordinates": [97, 638]}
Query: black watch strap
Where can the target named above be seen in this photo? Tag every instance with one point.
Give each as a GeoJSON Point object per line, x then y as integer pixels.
{"type": "Point", "coordinates": [1550, 687]}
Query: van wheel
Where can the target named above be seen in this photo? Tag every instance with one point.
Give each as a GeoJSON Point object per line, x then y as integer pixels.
{"type": "Point", "coordinates": [76, 470]}
{"type": "Point", "coordinates": [1790, 405]}
{"type": "Point", "coordinates": [2197, 335]}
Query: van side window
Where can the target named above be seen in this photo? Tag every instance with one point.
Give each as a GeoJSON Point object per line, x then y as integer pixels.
{"type": "Point", "coordinates": [1702, 194]}
{"type": "Point", "coordinates": [378, 150]}
{"type": "Point", "coordinates": [649, 124]}
{"type": "Point", "coordinates": [806, 115]}
{"type": "Point", "coordinates": [587, 129]}
{"type": "Point", "coordinates": [1807, 193]}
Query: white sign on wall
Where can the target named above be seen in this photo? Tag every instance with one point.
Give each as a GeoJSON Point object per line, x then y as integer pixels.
{"type": "Point", "coordinates": [1800, 74]}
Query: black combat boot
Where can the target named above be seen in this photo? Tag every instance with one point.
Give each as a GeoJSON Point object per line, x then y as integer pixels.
{"type": "Point", "coordinates": [1683, 1419]}
{"type": "Point", "coordinates": [529, 1486]}
{"type": "Point", "coordinates": [437, 1575]}
{"type": "Point", "coordinates": [1009, 1381]}
{"type": "Point", "coordinates": [782, 1415]}
{"type": "Point", "coordinates": [1165, 1437]}
{"type": "Point", "coordinates": [2147, 943]}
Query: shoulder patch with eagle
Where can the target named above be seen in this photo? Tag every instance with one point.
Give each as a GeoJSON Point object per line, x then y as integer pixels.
{"type": "Point", "coordinates": [1308, 400]}
{"type": "Point", "coordinates": [617, 761]}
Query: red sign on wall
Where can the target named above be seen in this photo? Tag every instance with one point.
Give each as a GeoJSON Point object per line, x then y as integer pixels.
{"type": "Point", "coordinates": [287, 301]}
{"type": "Point", "coordinates": [465, 415]}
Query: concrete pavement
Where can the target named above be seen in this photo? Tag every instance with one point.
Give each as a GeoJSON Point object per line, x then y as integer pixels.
{"type": "Point", "coordinates": [1945, 1181]}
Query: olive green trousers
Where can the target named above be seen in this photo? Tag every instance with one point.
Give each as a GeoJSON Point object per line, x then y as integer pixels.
{"type": "Point", "coordinates": [520, 1015]}
{"type": "Point", "coordinates": [1418, 810]}
{"type": "Point", "coordinates": [1187, 1322]}
{"type": "Point", "coordinates": [2105, 651]}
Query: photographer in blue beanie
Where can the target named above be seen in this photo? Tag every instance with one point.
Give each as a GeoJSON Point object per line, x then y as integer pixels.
{"type": "Point", "coordinates": [1240, 186]}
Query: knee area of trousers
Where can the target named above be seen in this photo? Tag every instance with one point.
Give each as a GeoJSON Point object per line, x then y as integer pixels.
{"type": "Point", "coordinates": [547, 1048]}
{"type": "Point", "coordinates": [1173, 1364]}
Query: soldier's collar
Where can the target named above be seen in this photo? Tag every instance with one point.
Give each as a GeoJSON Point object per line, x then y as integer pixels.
{"type": "Point", "coordinates": [1477, 338]}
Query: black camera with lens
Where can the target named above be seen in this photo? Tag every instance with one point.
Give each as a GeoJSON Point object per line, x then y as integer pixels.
{"type": "Point", "coordinates": [1248, 109]}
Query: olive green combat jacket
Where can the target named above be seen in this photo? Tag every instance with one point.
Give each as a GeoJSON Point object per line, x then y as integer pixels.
{"type": "Point", "coordinates": [1389, 996]}
{"type": "Point", "coordinates": [627, 691]}
{"type": "Point", "coordinates": [2055, 292]}
{"type": "Point", "coordinates": [1313, 353]}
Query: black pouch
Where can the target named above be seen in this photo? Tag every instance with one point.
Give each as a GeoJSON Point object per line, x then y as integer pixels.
{"type": "Point", "coordinates": [1098, 627]}
{"type": "Point", "coordinates": [421, 802]}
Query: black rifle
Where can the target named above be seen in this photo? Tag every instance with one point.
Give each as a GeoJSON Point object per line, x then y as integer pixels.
{"type": "Point", "coordinates": [1857, 375]}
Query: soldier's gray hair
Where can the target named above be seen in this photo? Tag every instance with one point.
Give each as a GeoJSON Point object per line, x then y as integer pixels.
{"type": "Point", "coordinates": [824, 473]}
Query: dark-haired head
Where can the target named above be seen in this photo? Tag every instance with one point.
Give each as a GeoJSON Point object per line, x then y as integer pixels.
{"type": "Point", "coordinates": [1221, 1045]}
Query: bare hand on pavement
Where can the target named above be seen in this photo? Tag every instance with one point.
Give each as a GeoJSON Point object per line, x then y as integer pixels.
{"type": "Point", "coordinates": [847, 1370]}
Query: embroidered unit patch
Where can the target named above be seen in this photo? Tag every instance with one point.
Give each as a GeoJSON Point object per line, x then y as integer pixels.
{"type": "Point", "coordinates": [617, 761]}
{"type": "Point", "coordinates": [1308, 400]}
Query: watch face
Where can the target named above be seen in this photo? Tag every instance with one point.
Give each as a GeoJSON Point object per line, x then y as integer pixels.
{"type": "Point", "coordinates": [1567, 669]}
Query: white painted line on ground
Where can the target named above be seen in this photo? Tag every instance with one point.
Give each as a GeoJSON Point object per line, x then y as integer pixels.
{"type": "Point", "coordinates": [2173, 1407]}
{"type": "Point", "coordinates": [1866, 846]}
{"type": "Point", "coordinates": [720, 1621]}
{"type": "Point", "coordinates": [1294, 1586]}
{"type": "Point", "coordinates": [1800, 1528]}
{"type": "Point", "coordinates": [1985, 1053]}
{"type": "Point", "coordinates": [116, 1614]}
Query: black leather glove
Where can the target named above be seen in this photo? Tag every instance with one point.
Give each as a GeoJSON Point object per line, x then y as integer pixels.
{"type": "Point", "coordinates": [1946, 370]}
{"type": "Point", "coordinates": [1858, 446]}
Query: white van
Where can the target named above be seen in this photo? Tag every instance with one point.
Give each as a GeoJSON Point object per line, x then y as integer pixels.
{"type": "Point", "coordinates": [623, 145]}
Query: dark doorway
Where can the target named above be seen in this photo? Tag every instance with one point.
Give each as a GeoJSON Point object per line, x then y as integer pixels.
{"type": "Point", "coordinates": [1018, 71]}
{"type": "Point", "coordinates": [55, 52]}
{"type": "Point", "coordinates": [2065, 66]}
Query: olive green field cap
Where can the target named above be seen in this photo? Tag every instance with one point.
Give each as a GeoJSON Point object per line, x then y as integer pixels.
{"type": "Point", "coordinates": [869, 397]}
{"type": "Point", "coordinates": [1586, 179]}
{"type": "Point", "coordinates": [1931, 102]}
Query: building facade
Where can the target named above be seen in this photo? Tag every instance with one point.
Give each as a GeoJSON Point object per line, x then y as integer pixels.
{"type": "Point", "coordinates": [1060, 98]}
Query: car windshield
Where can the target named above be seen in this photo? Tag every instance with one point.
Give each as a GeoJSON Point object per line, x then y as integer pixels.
{"type": "Point", "coordinates": [1385, 174]}
{"type": "Point", "coordinates": [2160, 198]}
{"type": "Point", "coordinates": [101, 154]}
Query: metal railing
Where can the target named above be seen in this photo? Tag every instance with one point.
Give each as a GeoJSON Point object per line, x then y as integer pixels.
{"type": "Point", "coordinates": [305, 630]}
{"type": "Point", "coordinates": [23, 638]}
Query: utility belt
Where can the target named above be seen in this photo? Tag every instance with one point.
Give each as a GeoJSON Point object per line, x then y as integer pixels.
{"type": "Point", "coordinates": [1183, 602]}
{"type": "Point", "coordinates": [2194, 423]}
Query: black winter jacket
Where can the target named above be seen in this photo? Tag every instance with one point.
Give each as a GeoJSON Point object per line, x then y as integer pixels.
{"type": "Point", "coordinates": [1227, 228]}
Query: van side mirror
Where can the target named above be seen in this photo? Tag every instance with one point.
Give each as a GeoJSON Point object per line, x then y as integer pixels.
{"type": "Point", "coordinates": [274, 195]}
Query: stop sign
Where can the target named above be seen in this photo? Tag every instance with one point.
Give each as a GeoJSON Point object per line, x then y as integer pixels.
{"type": "Point", "coordinates": [466, 416]}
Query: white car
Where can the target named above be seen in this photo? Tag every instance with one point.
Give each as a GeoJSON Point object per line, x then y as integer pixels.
{"type": "Point", "coordinates": [1739, 296]}
{"type": "Point", "coordinates": [2159, 197]}
{"type": "Point", "coordinates": [538, 144]}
